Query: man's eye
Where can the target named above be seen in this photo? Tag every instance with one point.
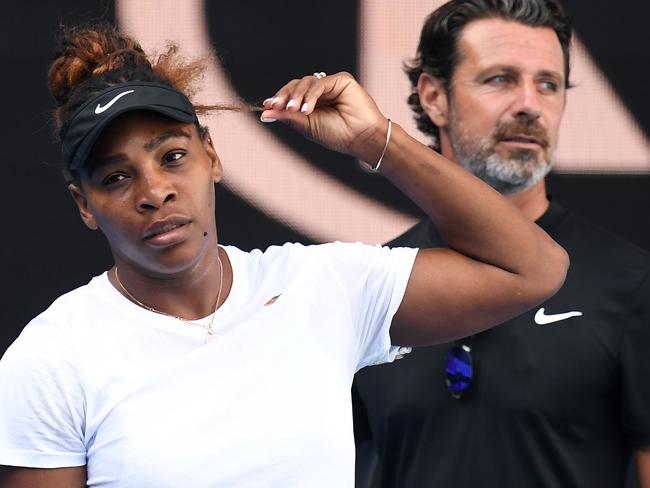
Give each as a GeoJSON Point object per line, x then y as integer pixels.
{"type": "Point", "coordinates": [498, 79]}
{"type": "Point", "coordinates": [113, 179]}
{"type": "Point", "coordinates": [549, 86]}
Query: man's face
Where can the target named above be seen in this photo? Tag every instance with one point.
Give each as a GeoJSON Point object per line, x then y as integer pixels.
{"type": "Point", "coordinates": [505, 103]}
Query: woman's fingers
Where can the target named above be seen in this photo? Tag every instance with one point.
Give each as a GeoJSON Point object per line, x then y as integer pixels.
{"type": "Point", "coordinates": [281, 98]}
{"type": "Point", "coordinates": [297, 95]}
{"type": "Point", "coordinates": [293, 102]}
{"type": "Point", "coordinates": [332, 110]}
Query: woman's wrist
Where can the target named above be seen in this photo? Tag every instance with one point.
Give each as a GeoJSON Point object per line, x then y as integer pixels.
{"type": "Point", "coordinates": [371, 145]}
{"type": "Point", "coordinates": [383, 152]}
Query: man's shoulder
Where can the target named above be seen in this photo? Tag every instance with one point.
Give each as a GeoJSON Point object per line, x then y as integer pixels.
{"type": "Point", "coordinates": [582, 237]}
{"type": "Point", "coordinates": [424, 234]}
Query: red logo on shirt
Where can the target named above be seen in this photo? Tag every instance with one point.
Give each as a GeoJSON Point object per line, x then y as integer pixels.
{"type": "Point", "coordinates": [272, 300]}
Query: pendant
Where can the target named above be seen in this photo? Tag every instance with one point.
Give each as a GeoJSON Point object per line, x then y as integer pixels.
{"type": "Point", "coordinates": [210, 338]}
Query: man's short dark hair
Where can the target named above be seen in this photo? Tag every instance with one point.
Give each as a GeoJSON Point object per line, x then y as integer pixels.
{"type": "Point", "coordinates": [438, 49]}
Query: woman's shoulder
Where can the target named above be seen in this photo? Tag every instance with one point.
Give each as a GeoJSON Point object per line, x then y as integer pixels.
{"type": "Point", "coordinates": [48, 330]}
{"type": "Point", "coordinates": [293, 257]}
{"type": "Point", "coordinates": [75, 301]}
{"type": "Point", "coordinates": [298, 249]}
{"type": "Point", "coordinates": [300, 253]}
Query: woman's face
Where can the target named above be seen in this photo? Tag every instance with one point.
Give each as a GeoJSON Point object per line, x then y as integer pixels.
{"type": "Point", "coordinates": [149, 186]}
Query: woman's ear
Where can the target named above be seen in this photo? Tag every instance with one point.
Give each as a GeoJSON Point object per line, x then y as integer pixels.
{"type": "Point", "coordinates": [217, 169]}
{"type": "Point", "coordinates": [82, 204]}
{"type": "Point", "coordinates": [433, 99]}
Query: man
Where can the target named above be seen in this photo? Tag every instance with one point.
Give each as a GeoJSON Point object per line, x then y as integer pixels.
{"type": "Point", "coordinates": [560, 396]}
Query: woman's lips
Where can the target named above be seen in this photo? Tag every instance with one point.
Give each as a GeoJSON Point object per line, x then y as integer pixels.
{"type": "Point", "coordinates": [167, 231]}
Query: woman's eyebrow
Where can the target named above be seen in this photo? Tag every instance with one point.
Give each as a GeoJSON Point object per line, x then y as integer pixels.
{"type": "Point", "coordinates": [101, 161]}
{"type": "Point", "coordinates": [98, 162]}
{"type": "Point", "coordinates": [168, 134]}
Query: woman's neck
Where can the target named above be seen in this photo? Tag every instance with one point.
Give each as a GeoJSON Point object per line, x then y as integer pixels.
{"type": "Point", "coordinates": [190, 294]}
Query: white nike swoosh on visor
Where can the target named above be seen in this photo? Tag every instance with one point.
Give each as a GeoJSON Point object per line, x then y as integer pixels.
{"type": "Point", "coordinates": [99, 109]}
{"type": "Point", "coordinates": [542, 319]}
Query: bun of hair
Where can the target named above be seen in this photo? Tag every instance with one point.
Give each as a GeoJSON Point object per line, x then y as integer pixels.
{"type": "Point", "coordinates": [92, 58]}
{"type": "Point", "coordinates": [84, 52]}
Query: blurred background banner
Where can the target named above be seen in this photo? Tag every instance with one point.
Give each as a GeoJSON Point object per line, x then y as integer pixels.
{"type": "Point", "coordinates": [279, 187]}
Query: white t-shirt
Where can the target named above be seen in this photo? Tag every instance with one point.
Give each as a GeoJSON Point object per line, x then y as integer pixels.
{"type": "Point", "coordinates": [142, 401]}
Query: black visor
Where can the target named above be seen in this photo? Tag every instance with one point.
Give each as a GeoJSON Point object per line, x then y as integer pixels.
{"type": "Point", "coordinates": [93, 116]}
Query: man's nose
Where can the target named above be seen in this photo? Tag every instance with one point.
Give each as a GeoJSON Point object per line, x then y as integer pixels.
{"type": "Point", "coordinates": [528, 103]}
{"type": "Point", "coordinates": [155, 189]}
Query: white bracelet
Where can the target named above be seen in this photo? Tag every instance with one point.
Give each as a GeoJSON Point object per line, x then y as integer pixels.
{"type": "Point", "coordinates": [390, 126]}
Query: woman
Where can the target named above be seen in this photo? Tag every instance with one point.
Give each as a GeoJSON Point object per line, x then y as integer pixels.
{"type": "Point", "coordinates": [193, 364]}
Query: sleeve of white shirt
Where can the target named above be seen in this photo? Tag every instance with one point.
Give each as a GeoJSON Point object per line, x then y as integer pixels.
{"type": "Point", "coordinates": [41, 401]}
{"type": "Point", "coordinates": [374, 279]}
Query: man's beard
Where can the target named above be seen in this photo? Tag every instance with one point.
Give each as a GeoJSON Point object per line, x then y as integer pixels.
{"type": "Point", "coordinates": [518, 170]}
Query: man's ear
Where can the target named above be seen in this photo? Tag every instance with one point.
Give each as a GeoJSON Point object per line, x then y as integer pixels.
{"type": "Point", "coordinates": [217, 169]}
{"type": "Point", "coordinates": [433, 99]}
{"type": "Point", "coordinates": [82, 204]}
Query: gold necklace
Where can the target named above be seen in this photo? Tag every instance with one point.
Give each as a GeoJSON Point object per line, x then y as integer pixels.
{"type": "Point", "coordinates": [210, 329]}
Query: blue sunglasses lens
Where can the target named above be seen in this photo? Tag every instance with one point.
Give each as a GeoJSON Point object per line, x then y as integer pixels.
{"type": "Point", "coordinates": [458, 369]}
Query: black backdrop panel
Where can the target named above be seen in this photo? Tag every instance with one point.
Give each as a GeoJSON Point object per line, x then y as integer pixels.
{"type": "Point", "coordinates": [616, 35]}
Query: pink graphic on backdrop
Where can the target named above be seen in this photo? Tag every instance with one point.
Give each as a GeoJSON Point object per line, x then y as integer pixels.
{"type": "Point", "coordinates": [598, 134]}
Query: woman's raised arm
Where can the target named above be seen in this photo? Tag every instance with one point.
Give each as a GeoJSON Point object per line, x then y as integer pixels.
{"type": "Point", "coordinates": [498, 263]}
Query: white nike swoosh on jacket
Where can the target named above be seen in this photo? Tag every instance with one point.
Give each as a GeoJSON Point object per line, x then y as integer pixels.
{"type": "Point", "coordinates": [542, 318]}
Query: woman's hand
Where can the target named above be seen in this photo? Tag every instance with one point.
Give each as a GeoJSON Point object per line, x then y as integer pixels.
{"type": "Point", "coordinates": [334, 111]}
